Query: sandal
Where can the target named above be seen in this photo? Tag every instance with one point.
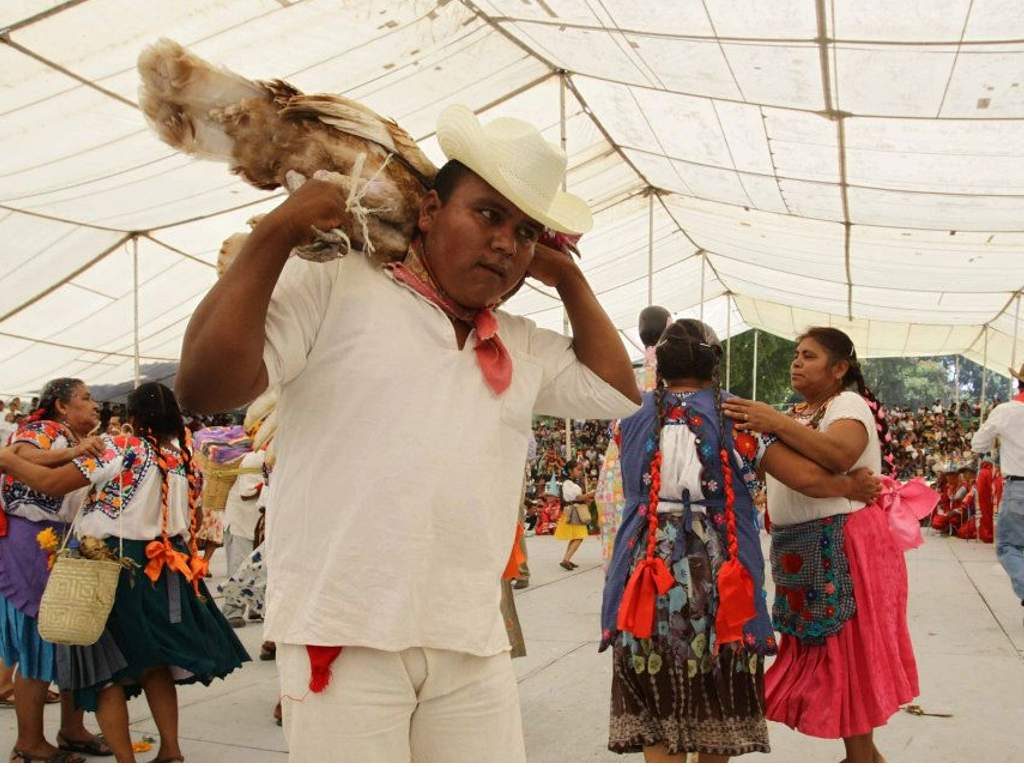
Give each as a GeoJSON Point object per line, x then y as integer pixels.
{"type": "Point", "coordinates": [565, 565]}
{"type": "Point", "coordinates": [96, 746]}
{"type": "Point", "coordinates": [58, 756]}
{"type": "Point", "coordinates": [168, 760]}
{"type": "Point", "coordinates": [53, 696]}
{"type": "Point", "coordinates": [268, 651]}
{"type": "Point", "coordinates": [7, 698]}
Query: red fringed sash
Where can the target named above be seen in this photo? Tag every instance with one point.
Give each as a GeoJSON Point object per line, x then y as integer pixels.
{"type": "Point", "coordinates": [320, 660]}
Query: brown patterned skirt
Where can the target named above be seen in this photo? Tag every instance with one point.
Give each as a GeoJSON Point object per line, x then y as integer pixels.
{"type": "Point", "coordinates": [717, 710]}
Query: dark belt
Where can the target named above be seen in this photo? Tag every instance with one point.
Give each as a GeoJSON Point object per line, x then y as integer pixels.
{"type": "Point", "coordinates": [1013, 478]}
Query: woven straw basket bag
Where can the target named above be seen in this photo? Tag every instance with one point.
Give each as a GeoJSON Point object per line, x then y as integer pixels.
{"type": "Point", "coordinates": [218, 480]}
{"type": "Point", "coordinates": [77, 600]}
{"type": "Point", "coordinates": [79, 594]}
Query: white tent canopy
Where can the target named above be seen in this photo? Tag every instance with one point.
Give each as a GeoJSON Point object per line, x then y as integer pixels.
{"type": "Point", "coordinates": [811, 161]}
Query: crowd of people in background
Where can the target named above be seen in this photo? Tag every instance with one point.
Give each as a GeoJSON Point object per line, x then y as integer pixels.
{"type": "Point", "coordinates": [113, 418]}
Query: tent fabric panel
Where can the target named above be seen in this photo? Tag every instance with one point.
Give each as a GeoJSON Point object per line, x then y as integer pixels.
{"type": "Point", "coordinates": [914, 79]}
{"type": "Point", "coordinates": [978, 157]}
{"type": "Point", "coordinates": [979, 88]}
{"type": "Point", "coordinates": [934, 260]}
{"type": "Point", "coordinates": [976, 213]}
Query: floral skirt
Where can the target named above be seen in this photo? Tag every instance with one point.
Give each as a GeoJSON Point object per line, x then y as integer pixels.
{"type": "Point", "coordinates": [668, 701]}
{"type": "Point", "coordinates": [671, 689]}
{"type": "Point", "coordinates": [248, 586]}
{"type": "Point", "coordinates": [861, 676]}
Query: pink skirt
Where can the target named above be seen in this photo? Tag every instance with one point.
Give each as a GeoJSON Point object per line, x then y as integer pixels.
{"type": "Point", "coordinates": [860, 676]}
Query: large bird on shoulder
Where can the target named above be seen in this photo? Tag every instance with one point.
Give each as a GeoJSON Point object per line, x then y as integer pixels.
{"type": "Point", "coordinates": [273, 135]}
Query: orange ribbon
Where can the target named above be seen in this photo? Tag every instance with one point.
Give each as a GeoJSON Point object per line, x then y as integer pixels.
{"type": "Point", "coordinates": [636, 613]}
{"type": "Point", "coordinates": [516, 558]}
{"type": "Point", "coordinates": [200, 568]}
{"type": "Point", "coordinates": [161, 554]}
{"type": "Point", "coordinates": [735, 602]}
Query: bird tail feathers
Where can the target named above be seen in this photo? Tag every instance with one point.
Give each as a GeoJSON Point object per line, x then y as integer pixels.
{"type": "Point", "coordinates": [179, 94]}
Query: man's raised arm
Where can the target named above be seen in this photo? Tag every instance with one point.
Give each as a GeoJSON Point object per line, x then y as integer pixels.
{"type": "Point", "coordinates": [222, 354]}
{"type": "Point", "coordinates": [596, 342]}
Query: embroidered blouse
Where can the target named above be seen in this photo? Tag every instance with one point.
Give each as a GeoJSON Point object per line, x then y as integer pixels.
{"type": "Point", "coordinates": [135, 493]}
{"type": "Point", "coordinates": [20, 500]}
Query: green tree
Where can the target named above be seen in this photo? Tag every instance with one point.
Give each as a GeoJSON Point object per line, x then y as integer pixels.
{"type": "Point", "coordinates": [897, 381]}
{"type": "Point", "coordinates": [773, 357]}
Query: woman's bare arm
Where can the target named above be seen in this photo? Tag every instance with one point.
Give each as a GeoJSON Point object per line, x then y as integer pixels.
{"type": "Point", "coordinates": [809, 478]}
{"type": "Point", "coordinates": [54, 482]}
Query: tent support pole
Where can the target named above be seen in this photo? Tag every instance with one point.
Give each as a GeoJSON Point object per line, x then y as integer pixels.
{"type": "Point", "coordinates": [956, 383]}
{"type": "Point", "coordinates": [984, 376]}
{"type": "Point", "coordinates": [564, 141]}
{"type": "Point", "coordinates": [1013, 353]}
{"type": "Point", "coordinates": [650, 247]}
{"type": "Point", "coordinates": [754, 375]}
{"type": "Point", "coordinates": [135, 303]}
{"type": "Point", "coordinates": [728, 341]}
{"type": "Point", "coordinates": [703, 264]}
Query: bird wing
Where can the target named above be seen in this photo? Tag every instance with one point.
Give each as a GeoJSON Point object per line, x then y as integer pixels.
{"type": "Point", "coordinates": [355, 119]}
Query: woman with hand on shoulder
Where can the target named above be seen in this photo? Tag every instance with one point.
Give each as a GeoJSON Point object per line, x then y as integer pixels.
{"type": "Point", "coordinates": [164, 628]}
{"type": "Point", "coordinates": [846, 661]}
{"type": "Point", "coordinates": [684, 606]}
{"type": "Point", "coordinates": [52, 435]}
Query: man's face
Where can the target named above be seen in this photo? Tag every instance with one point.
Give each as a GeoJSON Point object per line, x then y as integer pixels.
{"type": "Point", "coordinates": [478, 244]}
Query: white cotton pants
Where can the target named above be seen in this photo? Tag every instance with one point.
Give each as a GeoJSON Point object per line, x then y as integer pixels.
{"type": "Point", "coordinates": [418, 705]}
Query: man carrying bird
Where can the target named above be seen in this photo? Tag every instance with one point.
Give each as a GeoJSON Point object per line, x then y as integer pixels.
{"type": "Point", "coordinates": [405, 412]}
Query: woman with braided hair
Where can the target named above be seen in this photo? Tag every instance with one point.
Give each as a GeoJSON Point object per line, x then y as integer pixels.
{"type": "Point", "coordinates": [164, 628]}
{"type": "Point", "coordinates": [53, 434]}
{"type": "Point", "coordinates": [846, 662]}
{"type": "Point", "coordinates": [684, 605]}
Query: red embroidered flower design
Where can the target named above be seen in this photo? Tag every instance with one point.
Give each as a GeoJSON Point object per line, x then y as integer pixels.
{"type": "Point", "coordinates": [792, 563]}
{"type": "Point", "coordinates": [746, 445]}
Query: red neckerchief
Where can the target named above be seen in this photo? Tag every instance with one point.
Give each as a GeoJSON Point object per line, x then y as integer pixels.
{"type": "Point", "coordinates": [491, 354]}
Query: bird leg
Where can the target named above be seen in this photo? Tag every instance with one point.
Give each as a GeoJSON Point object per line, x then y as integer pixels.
{"type": "Point", "coordinates": [363, 228]}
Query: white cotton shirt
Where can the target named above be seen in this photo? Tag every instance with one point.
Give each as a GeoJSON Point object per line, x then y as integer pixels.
{"type": "Point", "coordinates": [571, 491]}
{"type": "Point", "coordinates": [680, 466]}
{"type": "Point", "coordinates": [1005, 422]}
{"type": "Point", "coordinates": [240, 515]}
{"type": "Point", "coordinates": [396, 490]}
{"type": "Point", "coordinates": [788, 507]}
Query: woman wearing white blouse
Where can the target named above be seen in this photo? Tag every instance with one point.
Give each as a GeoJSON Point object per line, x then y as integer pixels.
{"type": "Point", "coordinates": [846, 661]}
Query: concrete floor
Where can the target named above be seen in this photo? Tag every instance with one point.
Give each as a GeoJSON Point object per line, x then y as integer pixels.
{"type": "Point", "coordinates": [967, 633]}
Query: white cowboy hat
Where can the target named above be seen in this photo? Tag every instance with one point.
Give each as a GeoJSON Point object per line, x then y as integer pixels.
{"type": "Point", "coordinates": [513, 157]}
{"type": "Point", "coordinates": [1018, 374]}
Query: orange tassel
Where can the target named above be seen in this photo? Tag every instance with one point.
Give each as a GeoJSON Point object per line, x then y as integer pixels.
{"type": "Point", "coordinates": [735, 585]}
{"type": "Point", "coordinates": [636, 613]}
{"type": "Point", "coordinates": [200, 568]}
{"type": "Point", "coordinates": [735, 602]}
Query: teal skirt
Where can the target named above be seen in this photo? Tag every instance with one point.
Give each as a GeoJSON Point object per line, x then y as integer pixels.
{"type": "Point", "coordinates": [152, 625]}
